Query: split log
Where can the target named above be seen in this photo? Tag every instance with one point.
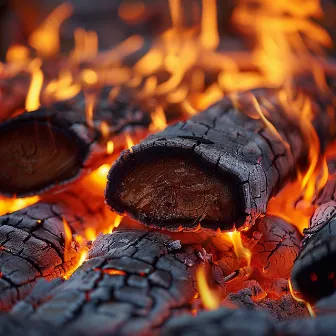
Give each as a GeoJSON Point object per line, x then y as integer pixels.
{"type": "Point", "coordinates": [132, 282]}
{"type": "Point", "coordinates": [314, 271]}
{"type": "Point", "coordinates": [34, 243]}
{"type": "Point", "coordinates": [218, 169]}
{"type": "Point", "coordinates": [52, 146]}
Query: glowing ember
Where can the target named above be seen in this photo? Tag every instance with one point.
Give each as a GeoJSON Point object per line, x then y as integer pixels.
{"type": "Point", "coordinates": [210, 299]}
{"type": "Point", "coordinates": [113, 271]}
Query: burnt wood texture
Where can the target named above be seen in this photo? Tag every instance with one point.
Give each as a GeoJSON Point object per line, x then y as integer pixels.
{"type": "Point", "coordinates": [132, 282]}
{"type": "Point", "coordinates": [49, 147]}
{"type": "Point", "coordinates": [314, 271]}
{"type": "Point", "coordinates": [34, 243]}
{"type": "Point", "coordinates": [218, 169]}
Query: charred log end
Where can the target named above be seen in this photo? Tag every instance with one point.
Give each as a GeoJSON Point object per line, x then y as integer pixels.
{"type": "Point", "coordinates": [36, 155]}
{"type": "Point", "coordinates": [314, 272]}
{"type": "Point", "coordinates": [172, 192]}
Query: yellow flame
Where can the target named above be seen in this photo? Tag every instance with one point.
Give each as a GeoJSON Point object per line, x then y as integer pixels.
{"type": "Point", "coordinates": [209, 299]}
{"type": "Point", "coordinates": [109, 147]}
{"type": "Point", "coordinates": [8, 205]}
{"type": "Point", "coordinates": [129, 141]}
{"type": "Point", "coordinates": [131, 11]}
{"type": "Point", "coordinates": [159, 121]}
{"type": "Point", "coordinates": [240, 250]}
{"type": "Point", "coordinates": [209, 35]}
{"type": "Point", "coordinates": [67, 237]}
{"type": "Point", "coordinates": [90, 233]}
{"type": "Point", "coordinates": [297, 298]}
{"type": "Point", "coordinates": [34, 91]}
{"type": "Point", "coordinates": [45, 39]}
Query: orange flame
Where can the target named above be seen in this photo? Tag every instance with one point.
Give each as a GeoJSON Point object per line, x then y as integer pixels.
{"type": "Point", "coordinates": [9, 205]}
{"type": "Point", "coordinates": [46, 38]}
{"type": "Point", "coordinates": [33, 96]}
{"type": "Point", "coordinates": [210, 299]}
{"type": "Point", "coordinates": [240, 250]}
{"type": "Point", "coordinates": [67, 236]}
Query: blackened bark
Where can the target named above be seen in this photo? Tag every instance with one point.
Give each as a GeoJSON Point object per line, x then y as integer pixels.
{"type": "Point", "coordinates": [314, 271]}
{"type": "Point", "coordinates": [34, 245]}
{"type": "Point", "coordinates": [52, 146]}
{"type": "Point", "coordinates": [218, 169]}
{"type": "Point", "coordinates": [132, 282]}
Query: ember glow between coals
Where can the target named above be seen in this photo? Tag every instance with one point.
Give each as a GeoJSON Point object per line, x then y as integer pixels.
{"type": "Point", "coordinates": [287, 43]}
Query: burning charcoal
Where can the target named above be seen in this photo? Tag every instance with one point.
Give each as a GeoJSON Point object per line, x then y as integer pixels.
{"type": "Point", "coordinates": [222, 322]}
{"type": "Point", "coordinates": [49, 147]}
{"type": "Point", "coordinates": [218, 169]}
{"type": "Point", "coordinates": [37, 241]}
{"type": "Point", "coordinates": [277, 248]}
{"type": "Point", "coordinates": [314, 270]}
{"type": "Point", "coordinates": [130, 283]}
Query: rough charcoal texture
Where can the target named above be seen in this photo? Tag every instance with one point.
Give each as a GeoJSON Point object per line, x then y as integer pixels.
{"type": "Point", "coordinates": [228, 322]}
{"type": "Point", "coordinates": [228, 142]}
{"type": "Point", "coordinates": [314, 271]}
{"type": "Point", "coordinates": [32, 246]}
{"type": "Point", "coordinates": [131, 282]}
{"type": "Point", "coordinates": [54, 145]}
{"type": "Point", "coordinates": [276, 249]}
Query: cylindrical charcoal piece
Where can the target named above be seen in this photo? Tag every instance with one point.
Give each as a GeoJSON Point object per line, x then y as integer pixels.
{"type": "Point", "coordinates": [314, 271]}
{"type": "Point", "coordinates": [218, 169]}
{"type": "Point", "coordinates": [51, 146]}
{"type": "Point", "coordinates": [37, 242]}
{"type": "Point", "coordinates": [277, 248]}
{"type": "Point", "coordinates": [222, 321]}
{"type": "Point", "coordinates": [132, 282]}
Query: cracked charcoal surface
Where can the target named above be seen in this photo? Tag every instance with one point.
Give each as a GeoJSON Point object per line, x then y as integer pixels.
{"type": "Point", "coordinates": [221, 146]}
{"type": "Point", "coordinates": [32, 246]}
{"type": "Point", "coordinates": [132, 282]}
{"type": "Point", "coordinates": [314, 270]}
{"type": "Point", "coordinates": [277, 249]}
{"type": "Point", "coordinates": [55, 145]}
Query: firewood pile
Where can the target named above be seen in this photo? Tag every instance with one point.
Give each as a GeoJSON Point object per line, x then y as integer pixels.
{"type": "Point", "coordinates": [167, 168]}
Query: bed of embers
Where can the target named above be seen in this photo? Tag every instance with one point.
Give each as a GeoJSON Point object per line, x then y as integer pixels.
{"type": "Point", "coordinates": [168, 167]}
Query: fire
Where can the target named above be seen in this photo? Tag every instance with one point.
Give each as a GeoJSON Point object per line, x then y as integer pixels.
{"type": "Point", "coordinates": [109, 147]}
{"type": "Point", "coordinates": [240, 250]}
{"type": "Point", "coordinates": [131, 11]}
{"type": "Point", "coordinates": [209, 298]}
{"type": "Point", "coordinates": [129, 141]}
{"type": "Point", "coordinates": [159, 120]}
{"type": "Point", "coordinates": [33, 96]}
{"type": "Point", "coordinates": [9, 205]}
{"type": "Point", "coordinates": [45, 39]}
{"type": "Point", "coordinates": [67, 236]}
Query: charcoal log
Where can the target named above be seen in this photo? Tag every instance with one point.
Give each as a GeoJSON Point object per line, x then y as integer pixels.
{"type": "Point", "coordinates": [218, 169]}
{"type": "Point", "coordinates": [34, 243]}
{"type": "Point", "coordinates": [132, 282]}
{"type": "Point", "coordinates": [277, 248]}
{"type": "Point", "coordinates": [314, 271]}
{"type": "Point", "coordinates": [52, 146]}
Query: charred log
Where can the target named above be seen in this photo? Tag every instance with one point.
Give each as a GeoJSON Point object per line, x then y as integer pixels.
{"type": "Point", "coordinates": [47, 148]}
{"type": "Point", "coordinates": [314, 270]}
{"type": "Point", "coordinates": [34, 243]}
{"type": "Point", "coordinates": [218, 169]}
{"type": "Point", "coordinates": [276, 249]}
{"type": "Point", "coordinates": [131, 282]}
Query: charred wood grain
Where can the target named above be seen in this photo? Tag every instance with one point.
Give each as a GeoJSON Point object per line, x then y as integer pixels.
{"type": "Point", "coordinates": [34, 245]}
{"type": "Point", "coordinates": [218, 169]}
{"type": "Point", "coordinates": [314, 271]}
{"type": "Point", "coordinates": [131, 282]}
{"type": "Point", "coordinates": [54, 145]}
